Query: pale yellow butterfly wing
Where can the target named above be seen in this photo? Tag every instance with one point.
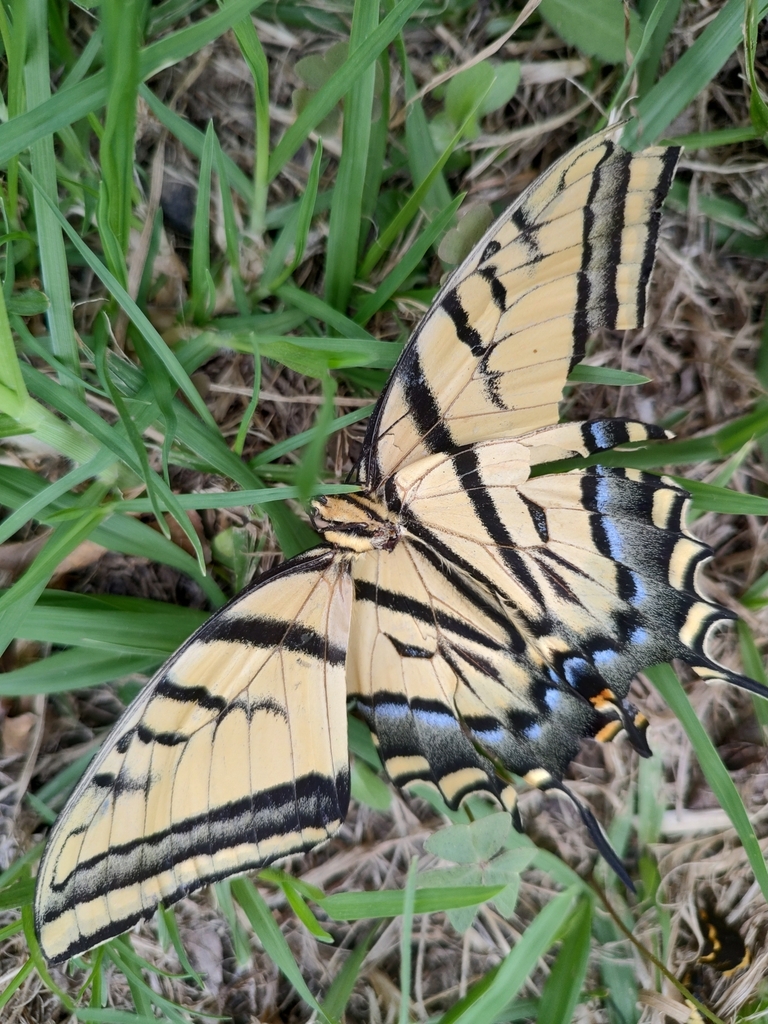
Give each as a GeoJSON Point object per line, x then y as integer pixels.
{"type": "Point", "coordinates": [491, 357]}
{"type": "Point", "coordinates": [233, 755]}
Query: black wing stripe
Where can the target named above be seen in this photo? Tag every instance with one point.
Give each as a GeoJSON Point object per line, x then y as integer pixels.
{"type": "Point", "coordinates": [312, 802]}
{"type": "Point", "coordinates": [669, 159]}
{"type": "Point", "coordinates": [261, 631]}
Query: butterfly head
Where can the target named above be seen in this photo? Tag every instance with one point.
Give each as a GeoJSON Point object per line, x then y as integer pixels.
{"type": "Point", "coordinates": [355, 522]}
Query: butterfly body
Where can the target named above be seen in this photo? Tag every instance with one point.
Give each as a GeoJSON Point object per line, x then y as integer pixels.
{"type": "Point", "coordinates": [481, 615]}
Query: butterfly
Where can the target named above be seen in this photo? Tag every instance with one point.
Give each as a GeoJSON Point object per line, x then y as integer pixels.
{"type": "Point", "coordinates": [481, 616]}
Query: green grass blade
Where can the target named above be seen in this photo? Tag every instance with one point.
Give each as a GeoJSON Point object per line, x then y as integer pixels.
{"type": "Point", "coordinates": [17, 602]}
{"type": "Point", "coordinates": [344, 225]}
{"type": "Point", "coordinates": [246, 894]}
{"type": "Point", "coordinates": [309, 469]}
{"type": "Point", "coordinates": [489, 997]}
{"type": "Point", "coordinates": [295, 232]}
{"type": "Point", "coordinates": [566, 979]}
{"type": "Point", "coordinates": [76, 102]}
{"type": "Point", "coordinates": [659, 455]}
{"type": "Point", "coordinates": [14, 398]}
{"type": "Point", "coordinates": [306, 207]}
{"type": "Point", "coordinates": [754, 667]}
{"type": "Point", "coordinates": [255, 58]}
{"type": "Point", "coordinates": [203, 289]}
{"type": "Point", "coordinates": [354, 906]}
{"type": "Point", "coordinates": [585, 374]}
{"type": "Point", "coordinates": [314, 306]}
{"type": "Point", "coordinates": [127, 624]}
{"type": "Point", "coordinates": [711, 498]}
{"type": "Point", "coordinates": [688, 76]}
{"type": "Point", "coordinates": [649, 65]}
{"type": "Point", "coordinates": [129, 428]}
{"type": "Point", "coordinates": [406, 939]}
{"type": "Point", "coordinates": [290, 444]}
{"type": "Point", "coordinates": [37, 501]}
{"type": "Point", "coordinates": [74, 669]}
{"type": "Point", "coordinates": [141, 322]}
{"type": "Point", "coordinates": [242, 430]}
{"type": "Point", "coordinates": [408, 264]}
{"type": "Point", "coordinates": [193, 140]}
{"type": "Point", "coordinates": [311, 356]}
{"type": "Point", "coordinates": [337, 996]}
{"type": "Point", "coordinates": [706, 140]}
{"type": "Point", "coordinates": [21, 489]}
{"type": "Point", "coordinates": [231, 232]}
{"type": "Point", "coordinates": [422, 156]}
{"type": "Point", "coordinates": [666, 682]}
{"type": "Point", "coordinates": [236, 499]}
{"type": "Point", "coordinates": [326, 98]}
{"type": "Point", "coordinates": [120, 21]}
{"type": "Point", "coordinates": [50, 243]}
{"type": "Point", "coordinates": [377, 149]}
{"type": "Point", "coordinates": [429, 179]}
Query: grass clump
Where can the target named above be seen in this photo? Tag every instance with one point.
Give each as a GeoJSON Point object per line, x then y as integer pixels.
{"type": "Point", "coordinates": [220, 225]}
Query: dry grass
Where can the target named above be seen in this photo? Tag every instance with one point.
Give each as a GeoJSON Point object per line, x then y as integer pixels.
{"type": "Point", "coordinates": [699, 347]}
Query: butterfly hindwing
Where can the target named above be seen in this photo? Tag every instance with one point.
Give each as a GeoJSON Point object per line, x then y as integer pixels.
{"type": "Point", "coordinates": [233, 755]}
{"type": "Point", "coordinates": [595, 569]}
{"type": "Point", "coordinates": [491, 357]}
{"type": "Point", "coordinates": [446, 681]}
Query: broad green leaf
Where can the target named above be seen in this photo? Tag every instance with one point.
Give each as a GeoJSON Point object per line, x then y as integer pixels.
{"type": "Point", "coordinates": [459, 241]}
{"type": "Point", "coordinates": [367, 787]}
{"type": "Point", "coordinates": [506, 80]}
{"type": "Point", "coordinates": [467, 92]}
{"type": "Point", "coordinates": [467, 844]}
{"type": "Point", "coordinates": [596, 27]}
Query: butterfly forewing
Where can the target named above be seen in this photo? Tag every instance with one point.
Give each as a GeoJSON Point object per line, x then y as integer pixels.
{"type": "Point", "coordinates": [491, 356]}
{"type": "Point", "coordinates": [233, 755]}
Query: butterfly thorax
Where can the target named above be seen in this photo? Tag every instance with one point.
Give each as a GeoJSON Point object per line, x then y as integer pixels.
{"type": "Point", "coordinates": [355, 522]}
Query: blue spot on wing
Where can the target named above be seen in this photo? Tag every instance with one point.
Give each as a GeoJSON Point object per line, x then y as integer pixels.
{"type": "Point", "coordinates": [552, 697]}
{"type": "Point", "coordinates": [614, 539]}
{"type": "Point", "coordinates": [640, 591]}
{"type": "Point", "coordinates": [391, 709]}
{"type": "Point", "coordinates": [574, 669]}
{"type": "Point", "coordinates": [603, 657]}
{"type": "Point", "coordinates": [436, 719]}
{"type": "Point", "coordinates": [602, 495]}
{"type": "Point", "coordinates": [490, 735]}
{"type": "Point", "coordinates": [601, 435]}
{"type": "Point", "coordinates": [638, 635]}
{"type": "Point", "coordinates": [532, 732]}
